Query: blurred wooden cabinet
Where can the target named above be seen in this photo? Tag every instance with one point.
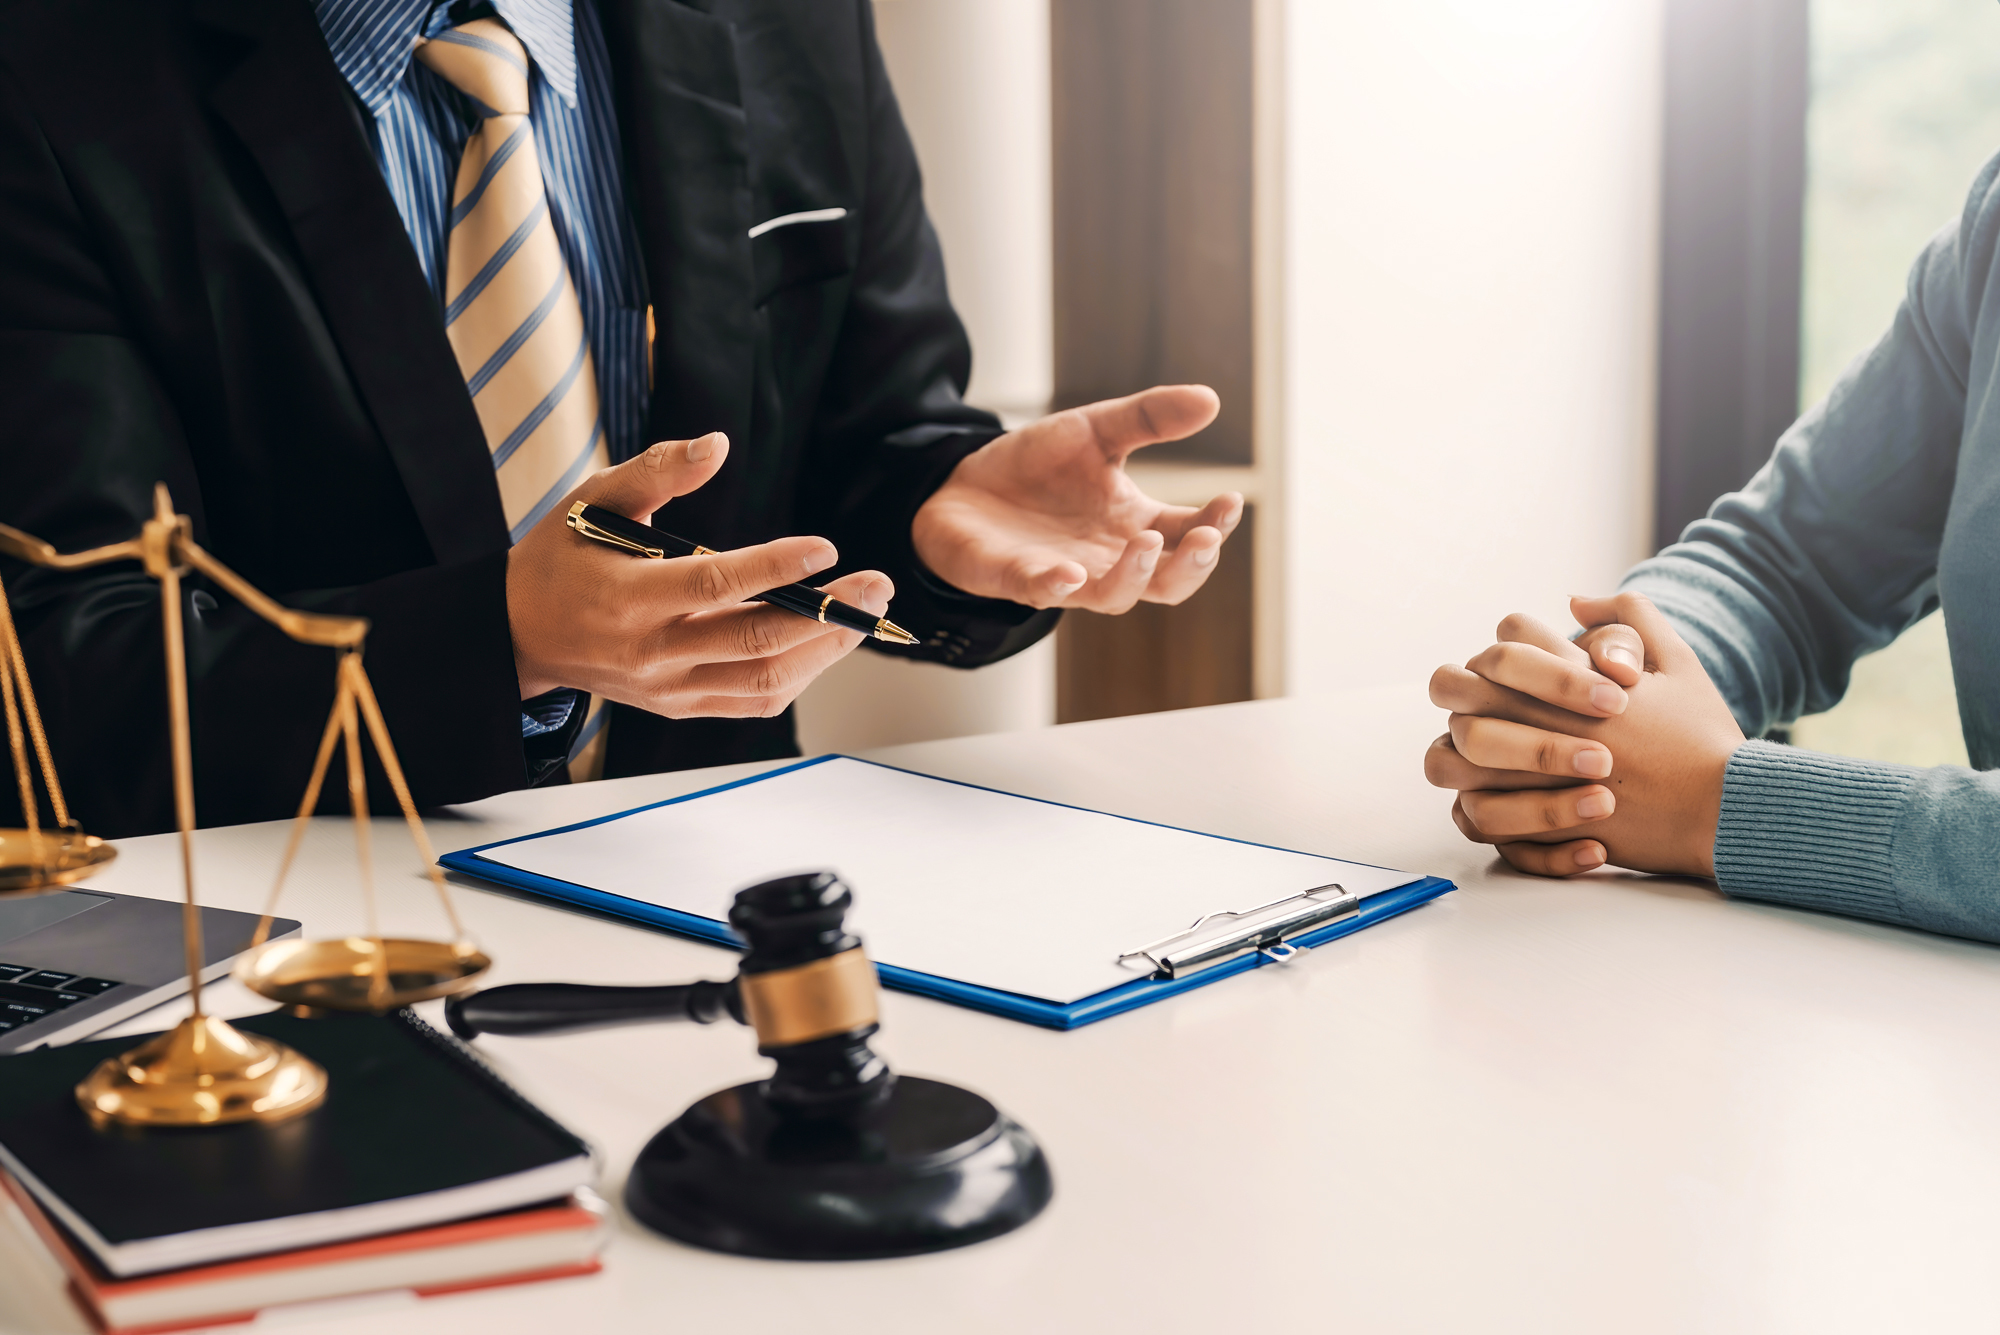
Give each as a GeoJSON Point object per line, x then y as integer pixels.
{"type": "Point", "coordinates": [1167, 154]}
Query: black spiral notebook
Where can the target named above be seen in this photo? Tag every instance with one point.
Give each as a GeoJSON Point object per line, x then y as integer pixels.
{"type": "Point", "coordinates": [415, 1131]}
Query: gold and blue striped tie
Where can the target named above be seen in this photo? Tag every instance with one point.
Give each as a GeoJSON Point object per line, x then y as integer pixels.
{"type": "Point", "coordinates": [511, 312]}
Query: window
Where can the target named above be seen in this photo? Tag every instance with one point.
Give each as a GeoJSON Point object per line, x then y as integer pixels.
{"type": "Point", "coordinates": [1904, 109]}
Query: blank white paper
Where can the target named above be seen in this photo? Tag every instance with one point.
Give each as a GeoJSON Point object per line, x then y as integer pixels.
{"type": "Point", "coordinates": [978, 886]}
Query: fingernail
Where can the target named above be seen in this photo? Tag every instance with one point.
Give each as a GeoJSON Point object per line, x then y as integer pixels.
{"type": "Point", "coordinates": [1618, 653]}
{"type": "Point", "coordinates": [701, 449]}
{"type": "Point", "coordinates": [1593, 762]}
{"type": "Point", "coordinates": [820, 557]}
{"type": "Point", "coordinates": [1204, 557]}
{"type": "Point", "coordinates": [1594, 807]}
{"type": "Point", "coordinates": [1590, 856]}
{"type": "Point", "coordinates": [1608, 698]}
{"type": "Point", "coordinates": [1147, 560]}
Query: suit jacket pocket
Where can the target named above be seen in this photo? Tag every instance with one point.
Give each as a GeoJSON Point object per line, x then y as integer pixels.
{"type": "Point", "coordinates": [811, 249]}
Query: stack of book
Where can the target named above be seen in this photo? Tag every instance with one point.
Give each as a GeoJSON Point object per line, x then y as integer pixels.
{"type": "Point", "coordinates": [422, 1172]}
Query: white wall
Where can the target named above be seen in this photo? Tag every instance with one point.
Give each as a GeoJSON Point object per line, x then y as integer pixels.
{"type": "Point", "coordinates": [1470, 214]}
{"type": "Point", "coordinates": [973, 80]}
{"type": "Point", "coordinates": [1471, 205]}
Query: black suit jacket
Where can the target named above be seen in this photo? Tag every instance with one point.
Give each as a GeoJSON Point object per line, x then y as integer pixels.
{"type": "Point", "coordinates": [203, 281]}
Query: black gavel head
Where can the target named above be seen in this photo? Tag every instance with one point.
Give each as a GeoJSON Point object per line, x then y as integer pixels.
{"type": "Point", "coordinates": [793, 920]}
{"type": "Point", "coordinates": [810, 992]}
{"type": "Point", "coordinates": [833, 1157]}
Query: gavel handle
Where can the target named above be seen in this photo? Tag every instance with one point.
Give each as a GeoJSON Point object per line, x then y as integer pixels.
{"type": "Point", "coordinates": [566, 1008]}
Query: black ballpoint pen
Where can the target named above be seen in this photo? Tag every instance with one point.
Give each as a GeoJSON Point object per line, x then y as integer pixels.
{"type": "Point", "coordinates": [629, 535]}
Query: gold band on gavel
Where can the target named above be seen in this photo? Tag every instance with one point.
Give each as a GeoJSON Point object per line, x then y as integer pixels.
{"type": "Point", "coordinates": [817, 1000]}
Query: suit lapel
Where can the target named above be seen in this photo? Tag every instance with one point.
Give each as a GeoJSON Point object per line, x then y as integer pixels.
{"type": "Point", "coordinates": [288, 104]}
{"type": "Point", "coordinates": [681, 117]}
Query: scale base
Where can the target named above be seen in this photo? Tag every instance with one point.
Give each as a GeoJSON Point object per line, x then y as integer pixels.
{"type": "Point", "coordinates": [926, 1168]}
{"type": "Point", "coordinates": [202, 1072]}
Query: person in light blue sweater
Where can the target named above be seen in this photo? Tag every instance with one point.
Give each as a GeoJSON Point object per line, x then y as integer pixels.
{"type": "Point", "coordinates": [1881, 504]}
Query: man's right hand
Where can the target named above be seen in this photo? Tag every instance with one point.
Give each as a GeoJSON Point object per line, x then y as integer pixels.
{"type": "Point", "coordinates": [673, 637]}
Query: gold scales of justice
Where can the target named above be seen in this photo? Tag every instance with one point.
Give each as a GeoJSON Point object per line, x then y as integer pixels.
{"type": "Point", "coordinates": [205, 1071]}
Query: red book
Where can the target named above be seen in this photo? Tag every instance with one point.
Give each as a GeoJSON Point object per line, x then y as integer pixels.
{"type": "Point", "coordinates": [518, 1247]}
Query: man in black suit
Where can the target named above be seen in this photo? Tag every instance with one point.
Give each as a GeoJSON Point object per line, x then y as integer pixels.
{"type": "Point", "coordinates": [205, 280]}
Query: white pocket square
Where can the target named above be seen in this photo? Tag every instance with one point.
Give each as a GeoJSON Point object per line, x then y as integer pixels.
{"type": "Point", "coordinates": [788, 219]}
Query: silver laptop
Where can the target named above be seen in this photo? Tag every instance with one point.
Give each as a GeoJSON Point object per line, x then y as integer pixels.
{"type": "Point", "coordinates": [77, 961]}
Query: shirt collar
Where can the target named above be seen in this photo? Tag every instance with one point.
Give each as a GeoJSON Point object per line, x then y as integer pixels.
{"type": "Point", "coordinates": [371, 40]}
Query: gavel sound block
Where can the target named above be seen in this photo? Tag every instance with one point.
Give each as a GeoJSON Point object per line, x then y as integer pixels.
{"type": "Point", "coordinates": [834, 1156]}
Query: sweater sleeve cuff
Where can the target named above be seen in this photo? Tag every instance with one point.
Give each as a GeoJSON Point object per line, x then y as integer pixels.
{"type": "Point", "coordinates": [1811, 830]}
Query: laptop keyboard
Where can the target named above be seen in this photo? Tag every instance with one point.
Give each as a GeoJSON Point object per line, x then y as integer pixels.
{"type": "Point", "coordinates": [28, 995]}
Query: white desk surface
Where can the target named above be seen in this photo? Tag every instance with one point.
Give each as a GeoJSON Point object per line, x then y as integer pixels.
{"type": "Point", "coordinates": [1614, 1104]}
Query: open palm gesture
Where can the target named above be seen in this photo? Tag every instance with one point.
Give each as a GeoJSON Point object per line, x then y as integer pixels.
{"type": "Point", "coordinates": [1046, 515]}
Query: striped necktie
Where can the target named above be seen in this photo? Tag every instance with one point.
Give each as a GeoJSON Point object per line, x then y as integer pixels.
{"type": "Point", "coordinates": [511, 312]}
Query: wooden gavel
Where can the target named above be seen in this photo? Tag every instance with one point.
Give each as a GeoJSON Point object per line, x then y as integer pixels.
{"type": "Point", "coordinates": [806, 986]}
{"type": "Point", "coordinates": [834, 1156]}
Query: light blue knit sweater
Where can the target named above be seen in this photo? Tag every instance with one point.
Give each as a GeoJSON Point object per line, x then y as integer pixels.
{"type": "Point", "coordinates": [1879, 505]}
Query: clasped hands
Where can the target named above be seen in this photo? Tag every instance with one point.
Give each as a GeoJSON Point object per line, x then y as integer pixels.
{"type": "Point", "coordinates": [1568, 755]}
{"type": "Point", "coordinates": [1044, 515]}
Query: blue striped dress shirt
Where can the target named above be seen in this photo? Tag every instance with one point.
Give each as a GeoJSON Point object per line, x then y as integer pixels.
{"type": "Point", "coordinates": [419, 125]}
{"type": "Point", "coordinates": [418, 128]}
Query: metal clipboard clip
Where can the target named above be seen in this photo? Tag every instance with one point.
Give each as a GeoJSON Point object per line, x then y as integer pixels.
{"type": "Point", "coordinates": [1216, 937]}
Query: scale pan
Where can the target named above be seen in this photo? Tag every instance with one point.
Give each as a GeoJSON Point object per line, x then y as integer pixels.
{"type": "Point", "coordinates": [342, 975]}
{"type": "Point", "coordinates": [31, 864]}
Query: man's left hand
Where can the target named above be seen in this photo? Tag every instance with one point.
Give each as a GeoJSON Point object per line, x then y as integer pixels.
{"type": "Point", "coordinates": [1046, 515]}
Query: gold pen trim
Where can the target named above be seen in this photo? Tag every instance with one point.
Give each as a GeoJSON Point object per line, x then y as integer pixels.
{"type": "Point", "coordinates": [585, 528]}
{"type": "Point", "coordinates": [886, 629]}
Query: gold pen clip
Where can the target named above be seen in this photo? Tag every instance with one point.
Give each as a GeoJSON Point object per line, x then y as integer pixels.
{"type": "Point", "coordinates": [610, 539]}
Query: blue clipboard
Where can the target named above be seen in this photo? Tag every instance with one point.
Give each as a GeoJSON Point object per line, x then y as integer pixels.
{"type": "Point", "coordinates": [1011, 1005]}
